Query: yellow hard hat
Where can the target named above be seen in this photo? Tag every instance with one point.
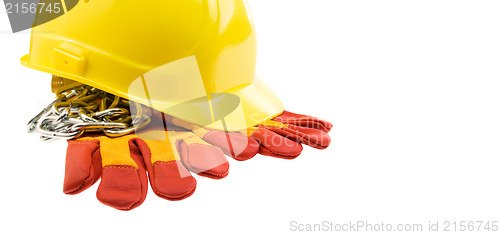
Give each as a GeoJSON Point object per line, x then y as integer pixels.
{"type": "Point", "coordinates": [193, 59]}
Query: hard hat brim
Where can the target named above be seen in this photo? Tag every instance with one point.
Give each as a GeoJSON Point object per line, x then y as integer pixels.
{"type": "Point", "coordinates": [232, 110]}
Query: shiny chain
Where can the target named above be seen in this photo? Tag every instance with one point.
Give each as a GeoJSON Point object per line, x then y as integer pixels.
{"type": "Point", "coordinates": [80, 108]}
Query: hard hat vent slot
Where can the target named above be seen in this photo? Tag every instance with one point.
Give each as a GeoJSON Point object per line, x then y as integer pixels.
{"type": "Point", "coordinates": [70, 59]}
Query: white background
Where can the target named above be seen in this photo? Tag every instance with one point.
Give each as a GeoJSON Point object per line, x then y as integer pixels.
{"type": "Point", "coordinates": [412, 88]}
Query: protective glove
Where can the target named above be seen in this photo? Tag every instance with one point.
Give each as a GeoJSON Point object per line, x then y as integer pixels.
{"type": "Point", "coordinates": [122, 162]}
{"type": "Point", "coordinates": [283, 135]}
{"type": "Point", "coordinates": [280, 137]}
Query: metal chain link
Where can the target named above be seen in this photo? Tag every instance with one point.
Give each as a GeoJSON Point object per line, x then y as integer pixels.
{"type": "Point", "coordinates": [80, 108]}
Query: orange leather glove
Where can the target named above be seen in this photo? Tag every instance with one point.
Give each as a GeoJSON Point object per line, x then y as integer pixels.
{"type": "Point", "coordinates": [283, 135]}
{"type": "Point", "coordinates": [168, 157]}
{"type": "Point", "coordinates": [280, 137]}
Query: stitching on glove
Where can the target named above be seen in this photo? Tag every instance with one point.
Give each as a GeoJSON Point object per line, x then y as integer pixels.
{"type": "Point", "coordinates": [122, 166]}
{"type": "Point", "coordinates": [81, 186]}
{"type": "Point", "coordinates": [199, 171]}
{"type": "Point", "coordinates": [208, 134]}
{"type": "Point", "coordinates": [225, 133]}
{"type": "Point", "coordinates": [84, 142]}
{"type": "Point", "coordinates": [88, 142]}
{"type": "Point", "coordinates": [165, 163]}
{"type": "Point", "coordinates": [171, 197]}
{"type": "Point", "coordinates": [275, 152]}
{"type": "Point", "coordinates": [206, 146]}
{"type": "Point", "coordinates": [262, 146]}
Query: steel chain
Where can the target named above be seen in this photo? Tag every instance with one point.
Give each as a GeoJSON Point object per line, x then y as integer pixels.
{"type": "Point", "coordinates": [80, 108]}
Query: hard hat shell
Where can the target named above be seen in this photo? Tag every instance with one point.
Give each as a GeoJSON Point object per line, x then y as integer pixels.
{"type": "Point", "coordinates": [193, 59]}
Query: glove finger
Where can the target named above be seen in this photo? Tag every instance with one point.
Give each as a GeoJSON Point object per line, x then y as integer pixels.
{"type": "Point", "coordinates": [304, 121]}
{"type": "Point", "coordinates": [83, 165]}
{"type": "Point", "coordinates": [308, 136]}
{"type": "Point", "coordinates": [124, 180]}
{"type": "Point", "coordinates": [168, 177]}
{"type": "Point", "coordinates": [236, 145]}
{"type": "Point", "coordinates": [275, 145]}
{"type": "Point", "coordinates": [200, 157]}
